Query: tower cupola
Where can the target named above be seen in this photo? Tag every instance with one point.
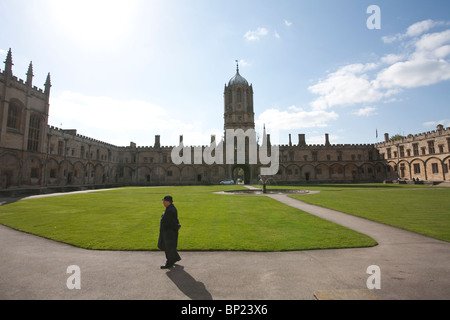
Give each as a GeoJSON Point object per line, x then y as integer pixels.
{"type": "Point", "coordinates": [237, 79]}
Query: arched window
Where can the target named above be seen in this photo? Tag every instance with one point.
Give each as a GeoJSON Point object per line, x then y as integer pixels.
{"type": "Point", "coordinates": [34, 132]}
{"type": "Point", "coordinates": [14, 111]}
{"type": "Point", "coordinates": [239, 95]}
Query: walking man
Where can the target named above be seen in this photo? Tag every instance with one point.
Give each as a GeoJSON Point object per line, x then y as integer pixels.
{"type": "Point", "coordinates": [168, 233]}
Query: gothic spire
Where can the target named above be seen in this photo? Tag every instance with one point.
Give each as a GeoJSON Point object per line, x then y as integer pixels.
{"type": "Point", "coordinates": [8, 63]}
{"type": "Point", "coordinates": [30, 75]}
{"type": "Point", "coordinates": [47, 85]}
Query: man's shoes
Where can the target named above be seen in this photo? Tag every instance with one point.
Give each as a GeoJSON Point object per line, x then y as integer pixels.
{"type": "Point", "coordinates": [167, 266]}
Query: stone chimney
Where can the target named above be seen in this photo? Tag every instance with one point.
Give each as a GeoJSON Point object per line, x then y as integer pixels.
{"type": "Point", "coordinates": [327, 139]}
{"type": "Point", "coordinates": [301, 140]}
{"type": "Point", "coordinates": [157, 141]}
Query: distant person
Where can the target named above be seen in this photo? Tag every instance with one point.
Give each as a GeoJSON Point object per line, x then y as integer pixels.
{"type": "Point", "coordinates": [168, 233]}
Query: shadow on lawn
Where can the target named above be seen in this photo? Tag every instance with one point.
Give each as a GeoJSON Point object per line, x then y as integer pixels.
{"type": "Point", "coordinates": [187, 284]}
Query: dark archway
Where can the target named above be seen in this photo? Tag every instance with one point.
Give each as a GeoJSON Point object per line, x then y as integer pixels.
{"type": "Point", "coordinates": [241, 171]}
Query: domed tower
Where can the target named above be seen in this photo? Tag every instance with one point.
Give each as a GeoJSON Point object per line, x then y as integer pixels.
{"type": "Point", "coordinates": [238, 103]}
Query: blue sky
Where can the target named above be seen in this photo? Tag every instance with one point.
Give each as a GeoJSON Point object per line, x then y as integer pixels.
{"type": "Point", "coordinates": [129, 70]}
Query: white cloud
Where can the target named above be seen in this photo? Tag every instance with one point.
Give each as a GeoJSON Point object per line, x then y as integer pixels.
{"type": "Point", "coordinates": [256, 35]}
{"type": "Point", "coordinates": [295, 118]}
{"type": "Point", "coordinates": [414, 73]}
{"type": "Point", "coordinates": [391, 58]}
{"type": "Point", "coordinates": [433, 46]}
{"type": "Point", "coordinates": [120, 121]}
{"type": "Point", "coordinates": [420, 27]}
{"type": "Point", "coordinates": [444, 122]}
{"type": "Point", "coordinates": [415, 30]}
{"type": "Point", "coordinates": [287, 23]}
{"type": "Point", "coordinates": [243, 63]}
{"type": "Point", "coordinates": [348, 85]}
{"type": "Point", "coordinates": [366, 111]}
{"type": "Point", "coordinates": [362, 83]}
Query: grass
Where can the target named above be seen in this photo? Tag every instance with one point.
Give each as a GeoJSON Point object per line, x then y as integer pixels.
{"type": "Point", "coordinates": [421, 209]}
{"type": "Point", "coordinates": [128, 219]}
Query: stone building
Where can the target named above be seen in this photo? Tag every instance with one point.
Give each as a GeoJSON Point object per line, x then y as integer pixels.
{"type": "Point", "coordinates": [419, 157]}
{"type": "Point", "coordinates": [36, 156]}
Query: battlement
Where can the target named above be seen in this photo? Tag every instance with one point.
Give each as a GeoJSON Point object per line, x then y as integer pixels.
{"type": "Point", "coordinates": [323, 146]}
{"type": "Point", "coordinates": [439, 132]}
{"type": "Point", "coordinates": [73, 132]}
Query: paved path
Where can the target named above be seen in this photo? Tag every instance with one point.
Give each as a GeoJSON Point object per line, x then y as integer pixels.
{"type": "Point", "coordinates": [412, 267]}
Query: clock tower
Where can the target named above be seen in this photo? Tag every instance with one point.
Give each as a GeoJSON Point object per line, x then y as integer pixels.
{"type": "Point", "coordinates": [238, 103]}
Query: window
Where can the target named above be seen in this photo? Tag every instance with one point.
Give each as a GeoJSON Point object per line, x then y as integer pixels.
{"type": "Point", "coordinates": [33, 133]}
{"type": "Point", "coordinates": [416, 168]}
{"type": "Point", "coordinates": [13, 116]}
{"type": "Point", "coordinates": [435, 168]}
{"type": "Point", "coordinates": [34, 173]}
{"type": "Point", "coordinates": [431, 147]}
{"type": "Point", "coordinates": [388, 150]}
{"type": "Point", "coordinates": [402, 151]}
{"type": "Point", "coordinates": [60, 148]}
{"type": "Point", "coordinates": [291, 156]}
{"type": "Point", "coordinates": [314, 156]}
{"type": "Point", "coordinates": [416, 149]}
{"type": "Point", "coordinates": [441, 148]}
{"type": "Point", "coordinates": [424, 150]}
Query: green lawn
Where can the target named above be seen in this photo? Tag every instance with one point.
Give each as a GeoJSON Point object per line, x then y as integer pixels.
{"type": "Point", "coordinates": [128, 219]}
{"type": "Point", "coordinates": [421, 209]}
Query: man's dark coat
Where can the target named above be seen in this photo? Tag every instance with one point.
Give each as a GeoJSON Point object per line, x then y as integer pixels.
{"type": "Point", "coordinates": [168, 234]}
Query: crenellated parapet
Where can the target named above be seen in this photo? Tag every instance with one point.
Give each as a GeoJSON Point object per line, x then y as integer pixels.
{"type": "Point", "coordinates": [410, 138]}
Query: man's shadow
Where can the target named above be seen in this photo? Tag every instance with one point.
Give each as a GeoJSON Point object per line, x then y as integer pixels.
{"type": "Point", "coordinates": [187, 284]}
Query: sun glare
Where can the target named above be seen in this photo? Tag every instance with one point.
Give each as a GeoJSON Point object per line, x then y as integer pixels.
{"type": "Point", "coordinates": [94, 23]}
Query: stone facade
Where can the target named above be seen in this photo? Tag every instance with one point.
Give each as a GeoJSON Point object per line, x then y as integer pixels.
{"type": "Point", "coordinates": [419, 157]}
{"type": "Point", "coordinates": [34, 155]}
